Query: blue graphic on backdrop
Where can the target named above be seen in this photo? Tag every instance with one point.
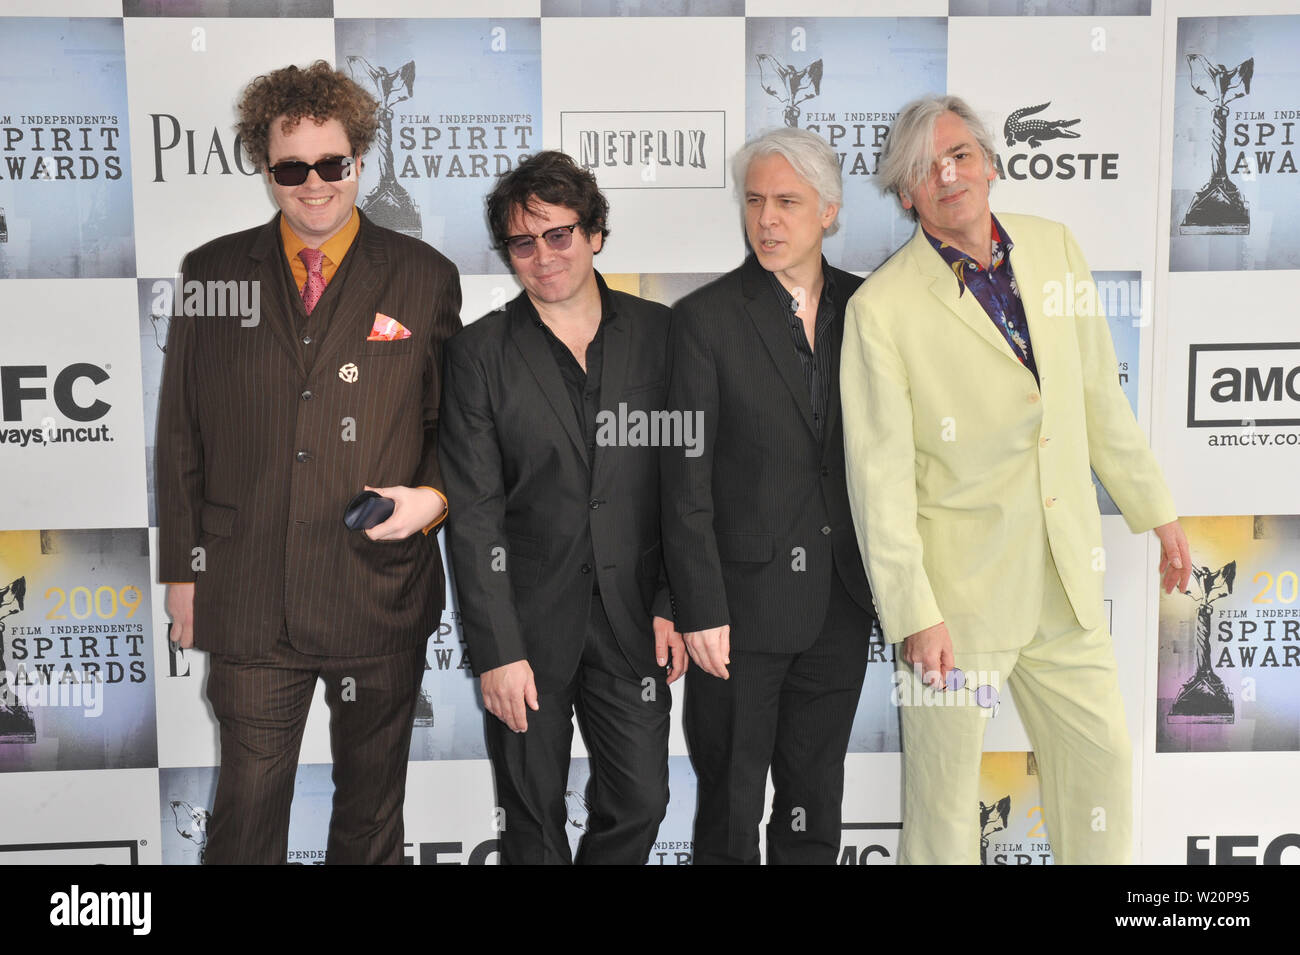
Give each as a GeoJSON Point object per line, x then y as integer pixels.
{"type": "Point", "coordinates": [185, 806]}
{"type": "Point", "coordinates": [643, 8]}
{"type": "Point", "coordinates": [875, 725]}
{"type": "Point", "coordinates": [846, 79]}
{"type": "Point", "coordinates": [228, 8]}
{"type": "Point", "coordinates": [460, 104]}
{"type": "Point", "coordinates": [155, 297]}
{"type": "Point", "coordinates": [1234, 203]}
{"type": "Point", "coordinates": [449, 712]}
{"type": "Point", "coordinates": [674, 845]}
{"type": "Point", "coordinates": [76, 651]}
{"type": "Point", "coordinates": [65, 179]}
{"type": "Point", "coordinates": [1049, 8]}
{"type": "Point", "coordinates": [1120, 294]}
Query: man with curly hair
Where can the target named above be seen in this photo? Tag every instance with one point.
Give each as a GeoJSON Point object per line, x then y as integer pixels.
{"type": "Point", "coordinates": [267, 431]}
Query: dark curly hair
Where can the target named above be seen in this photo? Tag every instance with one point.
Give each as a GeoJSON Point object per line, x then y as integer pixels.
{"type": "Point", "coordinates": [551, 177]}
{"type": "Point", "coordinates": [319, 91]}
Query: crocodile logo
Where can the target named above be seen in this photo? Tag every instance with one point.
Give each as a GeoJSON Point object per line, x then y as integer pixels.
{"type": "Point", "coordinates": [1035, 131]}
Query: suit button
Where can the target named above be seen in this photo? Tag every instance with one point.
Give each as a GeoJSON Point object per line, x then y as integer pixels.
{"type": "Point", "coordinates": [1049, 502]}
{"type": "Point", "coordinates": [303, 456]}
{"type": "Point", "coordinates": [594, 505]}
{"type": "Point", "coordinates": [306, 339]}
{"type": "Point", "coordinates": [307, 396]}
{"type": "Point", "coordinates": [1042, 442]}
{"type": "Point", "coordinates": [1033, 398]}
{"type": "Point", "coordinates": [826, 472]}
{"type": "Point", "coordinates": [585, 568]}
{"type": "Point", "coordinates": [826, 530]}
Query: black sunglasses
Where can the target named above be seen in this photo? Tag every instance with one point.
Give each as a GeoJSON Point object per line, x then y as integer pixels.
{"type": "Point", "coordinates": [293, 172]}
{"type": "Point", "coordinates": [523, 246]}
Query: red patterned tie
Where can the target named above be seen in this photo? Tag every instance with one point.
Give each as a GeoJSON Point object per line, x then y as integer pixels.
{"type": "Point", "coordinates": [314, 287]}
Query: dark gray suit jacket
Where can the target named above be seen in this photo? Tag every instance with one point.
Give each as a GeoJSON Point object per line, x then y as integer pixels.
{"type": "Point", "coordinates": [524, 493]}
{"type": "Point", "coordinates": [755, 526]}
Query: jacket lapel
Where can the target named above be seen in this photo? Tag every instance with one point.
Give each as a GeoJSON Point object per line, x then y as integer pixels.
{"type": "Point", "coordinates": [1022, 264]}
{"type": "Point", "coordinates": [275, 309]}
{"type": "Point", "coordinates": [613, 362]}
{"type": "Point", "coordinates": [536, 352]}
{"type": "Point", "coordinates": [354, 312]}
{"type": "Point", "coordinates": [841, 299]}
{"type": "Point", "coordinates": [773, 329]}
{"type": "Point", "coordinates": [944, 287]}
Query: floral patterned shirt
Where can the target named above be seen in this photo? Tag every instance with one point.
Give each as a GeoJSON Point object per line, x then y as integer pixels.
{"type": "Point", "coordinates": [995, 289]}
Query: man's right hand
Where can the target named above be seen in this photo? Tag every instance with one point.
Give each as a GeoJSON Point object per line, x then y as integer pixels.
{"type": "Point", "coordinates": [180, 607]}
{"type": "Point", "coordinates": [932, 649]}
{"type": "Point", "coordinates": [506, 690]}
{"type": "Point", "coordinates": [711, 649]}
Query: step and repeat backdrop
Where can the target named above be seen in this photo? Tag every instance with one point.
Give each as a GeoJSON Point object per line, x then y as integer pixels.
{"type": "Point", "coordinates": [1164, 133]}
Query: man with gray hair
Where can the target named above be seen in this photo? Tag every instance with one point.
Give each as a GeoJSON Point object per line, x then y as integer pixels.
{"type": "Point", "coordinates": [768, 586]}
{"type": "Point", "coordinates": [971, 418]}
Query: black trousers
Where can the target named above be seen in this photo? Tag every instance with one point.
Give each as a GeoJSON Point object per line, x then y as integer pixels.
{"type": "Point", "coordinates": [623, 716]}
{"type": "Point", "coordinates": [262, 707]}
{"type": "Point", "coordinates": [792, 713]}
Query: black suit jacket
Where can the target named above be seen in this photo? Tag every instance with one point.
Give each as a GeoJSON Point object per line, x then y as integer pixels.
{"type": "Point", "coordinates": [523, 493]}
{"type": "Point", "coordinates": [755, 526]}
{"type": "Point", "coordinates": [262, 443]}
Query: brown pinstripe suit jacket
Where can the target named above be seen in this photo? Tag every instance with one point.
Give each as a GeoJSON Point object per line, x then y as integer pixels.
{"type": "Point", "coordinates": [262, 443]}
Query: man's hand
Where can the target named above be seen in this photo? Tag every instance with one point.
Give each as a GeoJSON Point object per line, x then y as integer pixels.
{"type": "Point", "coordinates": [1175, 557]}
{"type": "Point", "coordinates": [415, 508]}
{"type": "Point", "coordinates": [506, 690]}
{"type": "Point", "coordinates": [667, 638]}
{"type": "Point", "coordinates": [180, 607]}
{"type": "Point", "coordinates": [711, 650]}
{"type": "Point", "coordinates": [932, 649]}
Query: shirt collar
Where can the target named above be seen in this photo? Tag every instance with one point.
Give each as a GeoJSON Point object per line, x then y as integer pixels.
{"type": "Point", "coordinates": [961, 263]}
{"type": "Point", "coordinates": [607, 307]}
{"type": "Point", "coordinates": [789, 301]}
{"type": "Point", "coordinates": [335, 247]}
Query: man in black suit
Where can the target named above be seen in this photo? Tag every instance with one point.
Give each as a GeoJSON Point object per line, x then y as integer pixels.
{"type": "Point", "coordinates": [553, 532]}
{"type": "Point", "coordinates": [266, 429]}
{"type": "Point", "coordinates": [767, 583]}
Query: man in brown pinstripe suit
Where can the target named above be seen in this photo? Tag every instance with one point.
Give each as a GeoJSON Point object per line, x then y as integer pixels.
{"type": "Point", "coordinates": [266, 430]}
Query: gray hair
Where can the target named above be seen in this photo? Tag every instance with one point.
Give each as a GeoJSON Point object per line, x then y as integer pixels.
{"type": "Point", "coordinates": [808, 155]}
{"type": "Point", "coordinates": [909, 151]}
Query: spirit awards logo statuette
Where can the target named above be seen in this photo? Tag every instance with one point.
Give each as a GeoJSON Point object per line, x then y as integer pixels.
{"type": "Point", "coordinates": [389, 204]}
{"type": "Point", "coordinates": [858, 137]}
{"type": "Point", "coordinates": [16, 723]}
{"type": "Point", "coordinates": [992, 819]}
{"type": "Point", "coordinates": [191, 823]}
{"type": "Point", "coordinates": [1204, 698]}
{"type": "Point", "coordinates": [1218, 208]}
{"type": "Point", "coordinates": [789, 85]}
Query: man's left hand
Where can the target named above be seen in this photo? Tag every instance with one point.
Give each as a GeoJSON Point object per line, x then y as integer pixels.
{"type": "Point", "coordinates": [1175, 557]}
{"type": "Point", "coordinates": [415, 508]}
{"type": "Point", "coordinates": [668, 639]}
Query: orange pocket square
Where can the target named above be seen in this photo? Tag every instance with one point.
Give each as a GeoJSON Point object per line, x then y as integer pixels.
{"type": "Point", "coordinates": [387, 329]}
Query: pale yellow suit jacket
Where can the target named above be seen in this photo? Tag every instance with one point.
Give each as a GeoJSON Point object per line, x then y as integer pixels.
{"type": "Point", "coordinates": [962, 471]}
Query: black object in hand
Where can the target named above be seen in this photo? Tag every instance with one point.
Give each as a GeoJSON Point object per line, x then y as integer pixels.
{"type": "Point", "coordinates": [368, 509]}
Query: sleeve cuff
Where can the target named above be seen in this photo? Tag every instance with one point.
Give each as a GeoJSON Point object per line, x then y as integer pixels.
{"type": "Point", "coordinates": [445, 506]}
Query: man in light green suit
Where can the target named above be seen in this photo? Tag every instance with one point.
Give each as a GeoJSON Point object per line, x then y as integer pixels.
{"type": "Point", "coordinates": [974, 402]}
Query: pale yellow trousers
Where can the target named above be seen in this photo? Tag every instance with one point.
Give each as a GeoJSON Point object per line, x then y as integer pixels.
{"type": "Point", "coordinates": [1065, 688]}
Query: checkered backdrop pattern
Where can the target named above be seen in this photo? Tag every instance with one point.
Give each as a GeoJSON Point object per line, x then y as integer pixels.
{"type": "Point", "coordinates": [1169, 151]}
